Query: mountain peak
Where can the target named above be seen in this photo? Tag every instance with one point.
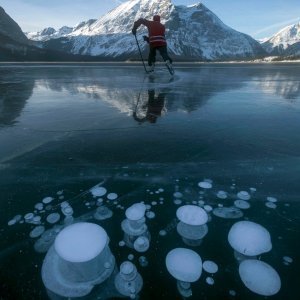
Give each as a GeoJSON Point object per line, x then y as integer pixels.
{"type": "Point", "coordinates": [10, 28]}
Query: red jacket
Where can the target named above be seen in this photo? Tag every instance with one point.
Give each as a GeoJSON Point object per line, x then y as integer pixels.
{"type": "Point", "coordinates": [156, 32]}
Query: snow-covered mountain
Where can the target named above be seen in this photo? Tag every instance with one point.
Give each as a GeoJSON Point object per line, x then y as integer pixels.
{"type": "Point", "coordinates": [193, 32]}
{"type": "Point", "coordinates": [285, 42]}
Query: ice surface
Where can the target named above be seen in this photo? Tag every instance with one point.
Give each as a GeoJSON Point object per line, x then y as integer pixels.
{"type": "Point", "coordinates": [184, 264]}
{"type": "Point", "coordinates": [80, 242]}
{"type": "Point", "coordinates": [135, 212]}
{"type": "Point", "coordinates": [259, 277]}
{"type": "Point", "coordinates": [249, 238]}
{"type": "Point", "coordinates": [210, 267]}
{"type": "Point", "coordinates": [192, 215]}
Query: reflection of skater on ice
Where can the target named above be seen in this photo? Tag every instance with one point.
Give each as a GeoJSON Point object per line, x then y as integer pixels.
{"type": "Point", "coordinates": [155, 107]}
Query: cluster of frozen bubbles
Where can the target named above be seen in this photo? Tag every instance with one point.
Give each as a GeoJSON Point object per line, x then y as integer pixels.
{"type": "Point", "coordinates": [79, 259]}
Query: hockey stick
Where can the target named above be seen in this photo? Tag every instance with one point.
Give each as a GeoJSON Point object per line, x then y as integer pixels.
{"type": "Point", "coordinates": [140, 53]}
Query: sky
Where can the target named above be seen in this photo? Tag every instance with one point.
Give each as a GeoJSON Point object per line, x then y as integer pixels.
{"type": "Point", "coordinates": [258, 18]}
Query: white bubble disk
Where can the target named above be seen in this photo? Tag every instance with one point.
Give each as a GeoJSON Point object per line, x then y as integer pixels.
{"type": "Point", "coordinates": [210, 267]}
{"type": "Point", "coordinates": [98, 191]}
{"type": "Point", "coordinates": [243, 195]}
{"type": "Point", "coordinates": [178, 195]}
{"type": "Point", "coordinates": [259, 277]}
{"type": "Point", "coordinates": [141, 244]}
{"type": "Point", "coordinates": [232, 293]}
{"type": "Point", "coordinates": [242, 204]}
{"type": "Point", "coordinates": [37, 231]}
{"type": "Point", "coordinates": [28, 217]}
{"type": "Point", "coordinates": [162, 232]}
{"type": "Point", "coordinates": [249, 238]}
{"type": "Point", "coordinates": [130, 257]}
{"type": "Point", "coordinates": [288, 259]}
{"type": "Point", "coordinates": [135, 212]}
{"type": "Point", "coordinates": [210, 281]}
{"type": "Point", "coordinates": [11, 222]}
{"type": "Point", "coordinates": [271, 205]}
{"type": "Point", "coordinates": [208, 208]}
{"type": "Point", "coordinates": [205, 185]}
{"type": "Point", "coordinates": [80, 242]}
{"type": "Point", "coordinates": [184, 264]}
{"type": "Point", "coordinates": [112, 196]}
{"type": "Point", "coordinates": [222, 195]}
{"type": "Point", "coordinates": [53, 218]}
{"type": "Point", "coordinates": [47, 200]}
{"type": "Point", "coordinates": [39, 206]}
{"type": "Point", "coordinates": [272, 199]}
{"type": "Point", "coordinates": [192, 215]}
{"type": "Point", "coordinates": [150, 214]}
{"type": "Point", "coordinates": [177, 202]}
{"type": "Point", "coordinates": [121, 243]}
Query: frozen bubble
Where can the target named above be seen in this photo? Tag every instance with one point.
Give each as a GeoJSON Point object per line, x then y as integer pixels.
{"type": "Point", "coordinates": [252, 190]}
{"type": "Point", "coordinates": [161, 198]}
{"type": "Point", "coordinates": [161, 190]}
{"type": "Point", "coordinates": [148, 206]}
{"type": "Point", "coordinates": [177, 202]}
{"type": "Point", "coordinates": [150, 214]}
{"type": "Point", "coordinates": [47, 200]}
{"type": "Point", "coordinates": [143, 261]}
{"type": "Point", "coordinates": [98, 191]}
{"type": "Point", "coordinates": [37, 231]}
{"type": "Point", "coordinates": [67, 211]}
{"type": "Point", "coordinates": [99, 201]}
{"type": "Point", "coordinates": [36, 219]}
{"type": "Point", "coordinates": [259, 277]}
{"type": "Point", "coordinates": [210, 267]}
{"type": "Point", "coordinates": [208, 208]}
{"type": "Point", "coordinates": [249, 238]}
{"type": "Point", "coordinates": [121, 243]}
{"type": "Point", "coordinates": [18, 218]}
{"type": "Point", "coordinates": [112, 196]}
{"type": "Point", "coordinates": [153, 203]}
{"type": "Point", "coordinates": [221, 194]}
{"type": "Point", "coordinates": [232, 293]}
{"type": "Point", "coordinates": [178, 195]}
{"type": "Point", "coordinates": [43, 244]}
{"type": "Point", "coordinates": [53, 218]}
{"type": "Point", "coordinates": [288, 259]}
{"type": "Point", "coordinates": [184, 264]}
{"type": "Point", "coordinates": [162, 232]}
{"type": "Point", "coordinates": [243, 195]}
{"type": "Point", "coordinates": [141, 244]}
{"type": "Point", "coordinates": [59, 193]}
{"type": "Point", "coordinates": [210, 280]}
{"type": "Point", "coordinates": [80, 242]}
{"type": "Point", "coordinates": [11, 222]}
{"type": "Point", "coordinates": [28, 217]}
{"type": "Point", "coordinates": [103, 213]}
{"type": "Point", "coordinates": [205, 185]}
{"type": "Point", "coordinates": [194, 202]}
{"type": "Point", "coordinates": [271, 205]}
{"type": "Point", "coordinates": [135, 212]}
{"type": "Point", "coordinates": [220, 205]}
{"type": "Point", "coordinates": [242, 204]}
{"type": "Point", "coordinates": [130, 257]}
{"type": "Point", "coordinates": [61, 197]}
{"type": "Point", "coordinates": [39, 206]}
{"type": "Point", "coordinates": [192, 215]}
{"type": "Point", "coordinates": [272, 199]}
{"type": "Point", "coordinates": [201, 202]}
{"type": "Point", "coordinates": [228, 212]}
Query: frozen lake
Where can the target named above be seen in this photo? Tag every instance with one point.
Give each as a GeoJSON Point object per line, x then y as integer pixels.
{"type": "Point", "coordinates": [66, 128]}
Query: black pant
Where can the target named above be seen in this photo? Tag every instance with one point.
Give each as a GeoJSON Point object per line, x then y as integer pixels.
{"type": "Point", "coordinates": [163, 52]}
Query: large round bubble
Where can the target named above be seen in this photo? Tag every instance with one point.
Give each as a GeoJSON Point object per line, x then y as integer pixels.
{"type": "Point", "coordinates": [259, 277]}
{"type": "Point", "coordinates": [192, 215]}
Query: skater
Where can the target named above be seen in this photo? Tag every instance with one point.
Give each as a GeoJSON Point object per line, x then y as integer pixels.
{"type": "Point", "coordinates": [156, 40]}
